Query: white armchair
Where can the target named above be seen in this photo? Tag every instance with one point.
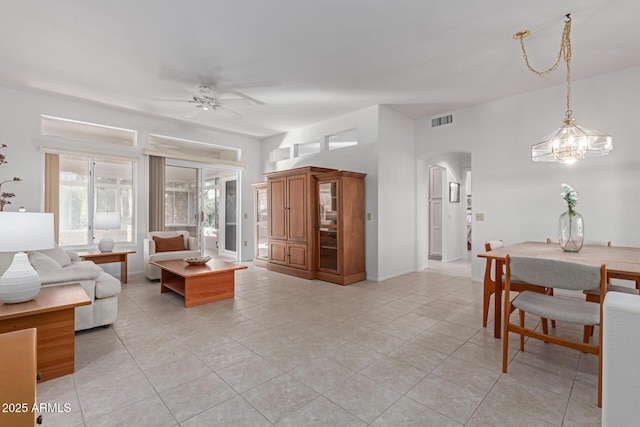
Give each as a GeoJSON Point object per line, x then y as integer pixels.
{"type": "Point", "coordinates": [151, 254]}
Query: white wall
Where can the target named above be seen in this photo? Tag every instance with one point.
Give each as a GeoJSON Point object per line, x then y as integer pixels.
{"type": "Point", "coordinates": [396, 195]}
{"type": "Point", "coordinates": [20, 129]}
{"type": "Point", "coordinates": [521, 200]}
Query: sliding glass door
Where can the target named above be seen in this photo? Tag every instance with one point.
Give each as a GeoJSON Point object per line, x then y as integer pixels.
{"type": "Point", "coordinates": [203, 201]}
{"type": "Point", "coordinates": [228, 210]}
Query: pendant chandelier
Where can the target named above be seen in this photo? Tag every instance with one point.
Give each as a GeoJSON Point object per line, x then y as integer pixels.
{"type": "Point", "coordinates": [571, 142]}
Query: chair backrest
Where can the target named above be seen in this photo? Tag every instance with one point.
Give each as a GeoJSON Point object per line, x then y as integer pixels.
{"type": "Point", "coordinates": [490, 245]}
{"type": "Point", "coordinates": [555, 274]}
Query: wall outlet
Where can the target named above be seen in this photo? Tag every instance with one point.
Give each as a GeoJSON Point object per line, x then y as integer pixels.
{"type": "Point", "coordinates": [245, 243]}
{"type": "Point", "coordinates": [479, 217]}
{"type": "Point", "coordinates": [246, 216]}
{"type": "Point", "coordinates": [368, 216]}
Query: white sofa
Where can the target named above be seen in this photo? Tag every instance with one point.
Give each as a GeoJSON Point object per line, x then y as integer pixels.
{"type": "Point", "coordinates": [58, 267]}
{"type": "Point", "coordinates": [150, 254]}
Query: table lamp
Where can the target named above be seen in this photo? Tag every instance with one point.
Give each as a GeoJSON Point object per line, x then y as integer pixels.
{"type": "Point", "coordinates": [106, 221]}
{"type": "Point", "coordinates": [19, 232]}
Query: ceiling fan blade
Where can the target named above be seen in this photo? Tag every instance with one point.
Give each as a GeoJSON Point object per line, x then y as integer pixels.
{"type": "Point", "coordinates": [233, 101]}
{"type": "Point", "coordinates": [227, 112]}
{"type": "Point", "coordinates": [169, 100]}
{"type": "Point", "coordinates": [196, 91]}
{"type": "Point", "coordinates": [193, 112]}
{"type": "Point", "coordinates": [243, 95]}
{"type": "Point", "coordinates": [255, 84]}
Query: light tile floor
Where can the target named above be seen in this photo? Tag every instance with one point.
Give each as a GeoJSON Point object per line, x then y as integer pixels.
{"type": "Point", "coordinates": [409, 351]}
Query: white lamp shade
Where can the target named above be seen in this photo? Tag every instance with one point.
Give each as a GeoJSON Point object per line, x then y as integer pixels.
{"type": "Point", "coordinates": [26, 231]}
{"type": "Point", "coordinates": [106, 221]}
{"type": "Point", "coordinates": [19, 232]}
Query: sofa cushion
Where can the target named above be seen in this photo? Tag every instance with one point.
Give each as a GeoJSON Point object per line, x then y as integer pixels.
{"type": "Point", "coordinates": [107, 286]}
{"type": "Point", "coordinates": [68, 274]}
{"type": "Point", "coordinates": [59, 255]}
{"type": "Point", "coordinates": [164, 256]}
{"type": "Point", "coordinates": [42, 262]}
{"type": "Point", "coordinates": [167, 244]}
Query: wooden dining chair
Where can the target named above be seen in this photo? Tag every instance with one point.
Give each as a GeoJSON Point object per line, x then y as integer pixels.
{"type": "Point", "coordinates": [593, 295]}
{"type": "Point", "coordinates": [554, 274]}
{"type": "Point", "coordinates": [489, 284]}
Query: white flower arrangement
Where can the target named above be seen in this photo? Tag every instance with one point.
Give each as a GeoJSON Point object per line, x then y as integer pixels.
{"type": "Point", "coordinates": [571, 197]}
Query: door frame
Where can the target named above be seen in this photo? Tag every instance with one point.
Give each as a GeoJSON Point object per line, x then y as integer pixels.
{"type": "Point", "coordinates": [200, 167]}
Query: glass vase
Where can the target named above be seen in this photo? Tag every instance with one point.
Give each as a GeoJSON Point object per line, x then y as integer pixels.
{"type": "Point", "coordinates": [571, 231]}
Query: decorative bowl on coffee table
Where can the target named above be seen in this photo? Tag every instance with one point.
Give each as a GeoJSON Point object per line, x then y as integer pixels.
{"type": "Point", "coordinates": [198, 260]}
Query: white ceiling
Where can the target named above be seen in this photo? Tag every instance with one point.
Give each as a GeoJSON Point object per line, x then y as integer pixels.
{"type": "Point", "coordinates": [312, 60]}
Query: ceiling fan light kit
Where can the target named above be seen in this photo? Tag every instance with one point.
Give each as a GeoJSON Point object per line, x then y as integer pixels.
{"type": "Point", "coordinates": [571, 142]}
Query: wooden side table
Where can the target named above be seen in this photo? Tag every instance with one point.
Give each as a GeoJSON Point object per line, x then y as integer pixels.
{"type": "Point", "coordinates": [109, 257]}
{"type": "Point", "coordinates": [18, 378]}
{"type": "Point", "coordinates": [52, 313]}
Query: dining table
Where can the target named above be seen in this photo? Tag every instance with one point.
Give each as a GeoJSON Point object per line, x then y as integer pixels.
{"type": "Point", "coordinates": [622, 262]}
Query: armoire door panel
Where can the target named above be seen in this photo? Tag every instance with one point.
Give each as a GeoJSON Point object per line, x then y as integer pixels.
{"type": "Point", "coordinates": [297, 255]}
{"type": "Point", "coordinates": [278, 252]}
{"type": "Point", "coordinates": [297, 208]}
{"type": "Point", "coordinates": [277, 209]}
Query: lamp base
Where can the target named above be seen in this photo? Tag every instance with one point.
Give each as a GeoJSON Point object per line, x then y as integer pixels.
{"type": "Point", "coordinates": [20, 282]}
{"type": "Point", "coordinates": [106, 244]}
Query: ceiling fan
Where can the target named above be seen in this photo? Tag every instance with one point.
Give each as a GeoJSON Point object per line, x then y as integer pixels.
{"type": "Point", "coordinates": [205, 98]}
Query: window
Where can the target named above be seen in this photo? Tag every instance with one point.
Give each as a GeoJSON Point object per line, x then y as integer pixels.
{"type": "Point", "coordinates": [89, 185]}
{"type": "Point", "coordinates": [79, 184]}
{"type": "Point", "coordinates": [306, 148]}
{"type": "Point", "coordinates": [343, 139]}
{"type": "Point", "coordinates": [87, 132]}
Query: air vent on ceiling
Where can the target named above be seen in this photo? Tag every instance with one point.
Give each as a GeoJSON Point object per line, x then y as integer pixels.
{"type": "Point", "coordinates": [440, 121]}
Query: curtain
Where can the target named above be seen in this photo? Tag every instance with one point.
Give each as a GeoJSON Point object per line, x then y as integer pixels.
{"type": "Point", "coordinates": [52, 189]}
{"type": "Point", "coordinates": [156, 193]}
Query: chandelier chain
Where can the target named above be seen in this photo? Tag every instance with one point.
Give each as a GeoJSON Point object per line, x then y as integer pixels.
{"type": "Point", "coordinates": [563, 54]}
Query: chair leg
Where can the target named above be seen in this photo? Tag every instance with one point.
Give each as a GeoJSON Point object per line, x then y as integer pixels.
{"type": "Point", "coordinates": [505, 334]}
{"type": "Point", "coordinates": [545, 327]}
{"type": "Point", "coordinates": [588, 330]}
{"type": "Point", "coordinates": [522, 326]}
{"type": "Point", "coordinates": [553, 322]}
{"type": "Point", "coordinates": [488, 290]}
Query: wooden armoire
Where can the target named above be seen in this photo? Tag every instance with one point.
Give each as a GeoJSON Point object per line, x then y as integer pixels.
{"type": "Point", "coordinates": [316, 224]}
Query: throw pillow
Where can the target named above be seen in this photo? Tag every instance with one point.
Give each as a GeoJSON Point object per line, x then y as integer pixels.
{"type": "Point", "coordinates": [169, 244]}
{"type": "Point", "coordinates": [59, 255]}
{"type": "Point", "coordinates": [42, 262]}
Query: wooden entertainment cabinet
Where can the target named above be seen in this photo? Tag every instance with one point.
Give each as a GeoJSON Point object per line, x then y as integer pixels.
{"type": "Point", "coordinates": [315, 224]}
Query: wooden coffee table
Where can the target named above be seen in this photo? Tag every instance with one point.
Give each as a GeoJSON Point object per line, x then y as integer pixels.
{"type": "Point", "coordinates": [198, 284]}
{"type": "Point", "coordinates": [52, 313]}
